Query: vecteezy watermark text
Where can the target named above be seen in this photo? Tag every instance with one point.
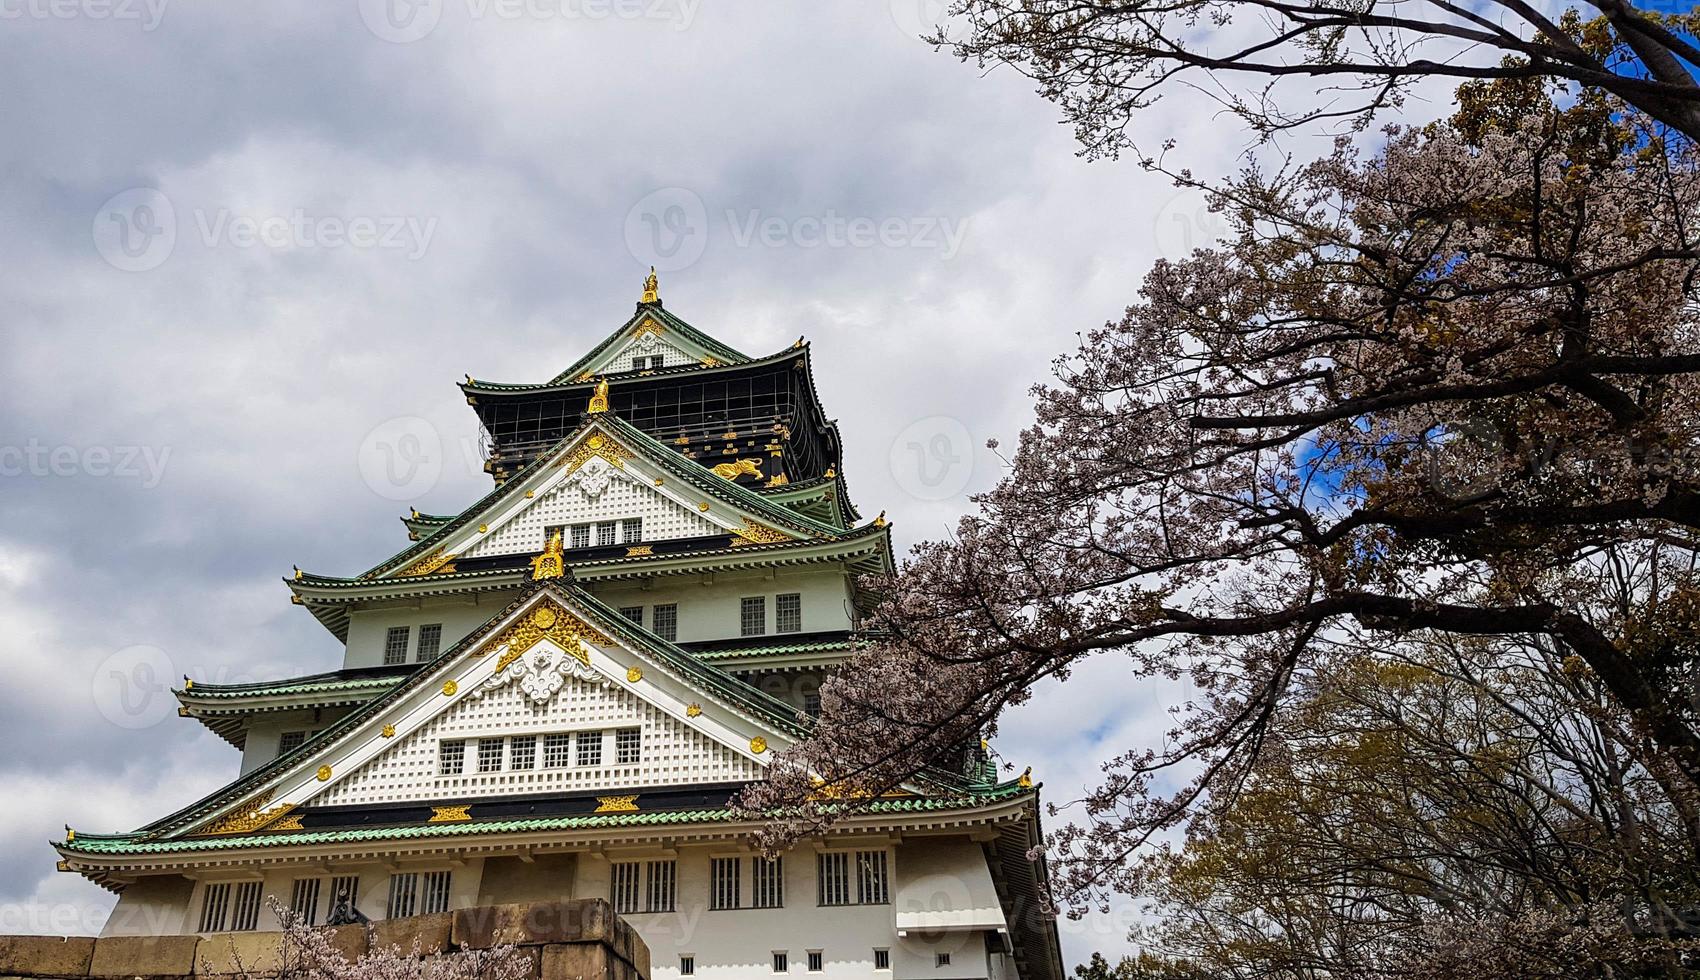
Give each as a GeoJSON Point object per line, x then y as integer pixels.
{"type": "Point", "coordinates": [406, 21]}
{"type": "Point", "coordinates": [34, 458]}
{"type": "Point", "coordinates": [833, 230]}
{"type": "Point", "coordinates": [147, 13]}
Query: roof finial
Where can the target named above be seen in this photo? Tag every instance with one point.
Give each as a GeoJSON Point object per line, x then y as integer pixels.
{"type": "Point", "coordinates": [651, 288]}
{"type": "Point", "coordinates": [550, 564]}
{"type": "Point", "coordinates": [599, 401]}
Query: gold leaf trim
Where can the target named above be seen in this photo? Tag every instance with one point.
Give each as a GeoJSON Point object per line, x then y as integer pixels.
{"type": "Point", "coordinates": [450, 688]}
{"type": "Point", "coordinates": [324, 774]}
{"type": "Point", "coordinates": [450, 814]}
{"type": "Point", "coordinates": [292, 822]}
{"type": "Point", "coordinates": [436, 561]}
{"type": "Point", "coordinates": [639, 551]}
{"type": "Point", "coordinates": [546, 622]}
{"type": "Point", "coordinates": [634, 674]}
{"type": "Point", "coordinates": [248, 817]}
{"type": "Point", "coordinates": [616, 804]}
{"type": "Point", "coordinates": [754, 533]}
{"type": "Point", "coordinates": [737, 468]}
{"type": "Point", "coordinates": [596, 445]}
{"type": "Point", "coordinates": [758, 745]}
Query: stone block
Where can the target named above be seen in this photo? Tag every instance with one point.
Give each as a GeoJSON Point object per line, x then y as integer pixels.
{"type": "Point", "coordinates": [432, 932]}
{"type": "Point", "coordinates": [46, 955]}
{"type": "Point", "coordinates": [350, 941]}
{"type": "Point", "coordinates": [240, 953]}
{"type": "Point", "coordinates": [577, 961]}
{"type": "Point", "coordinates": [534, 924]}
{"type": "Point", "coordinates": [143, 956]}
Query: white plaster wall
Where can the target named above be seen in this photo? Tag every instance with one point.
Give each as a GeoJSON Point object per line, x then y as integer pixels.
{"type": "Point", "coordinates": [709, 606]}
{"type": "Point", "coordinates": [265, 730]}
{"type": "Point", "coordinates": [152, 906]}
{"type": "Point", "coordinates": [459, 615]}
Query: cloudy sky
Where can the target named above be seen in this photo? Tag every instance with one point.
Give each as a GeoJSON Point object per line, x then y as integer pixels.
{"type": "Point", "coordinates": [248, 248]}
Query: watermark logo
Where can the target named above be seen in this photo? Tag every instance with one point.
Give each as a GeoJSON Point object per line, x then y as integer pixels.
{"type": "Point", "coordinates": [401, 459]}
{"type": "Point", "coordinates": [136, 230]}
{"type": "Point", "coordinates": [1184, 223]}
{"type": "Point", "coordinates": [933, 459]}
{"type": "Point", "coordinates": [667, 229]}
{"type": "Point", "coordinates": [1464, 459]}
{"type": "Point", "coordinates": [919, 18]}
{"type": "Point", "coordinates": [401, 21]}
{"type": "Point", "coordinates": [147, 13]}
{"type": "Point", "coordinates": [132, 687]}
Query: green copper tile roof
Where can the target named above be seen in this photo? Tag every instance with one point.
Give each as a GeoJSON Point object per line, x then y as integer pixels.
{"type": "Point", "coordinates": [138, 844]}
{"type": "Point", "coordinates": [774, 650]}
{"type": "Point", "coordinates": [696, 337]}
{"type": "Point", "coordinates": [311, 684]}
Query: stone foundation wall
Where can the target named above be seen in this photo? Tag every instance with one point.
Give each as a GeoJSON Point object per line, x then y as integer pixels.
{"type": "Point", "coordinates": [579, 940]}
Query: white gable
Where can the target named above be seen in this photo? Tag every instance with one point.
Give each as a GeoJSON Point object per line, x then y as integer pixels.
{"type": "Point", "coordinates": [597, 491]}
{"type": "Point", "coordinates": [647, 346]}
{"type": "Point", "coordinates": [671, 753]}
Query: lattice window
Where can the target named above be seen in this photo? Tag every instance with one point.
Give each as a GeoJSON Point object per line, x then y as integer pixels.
{"type": "Point", "coordinates": [522, 754]}
{"type": "Point", "coordinates": [404, 895]}
{"type": "Point", "coordinates": [430, 641]}
{"type": "Point", "coordinates": [752, 615]}
{"type": "Point", "coordinates": [871, 885]}
{"type": "Point", "coordinates": [395, 645]}
{"type": "Point", "coordinates": [434, 895]}
{"type": "Point", "coordinates": [304, 901]}
{"type": "Point", "coordinates": [633, 613]}
{"type": "Point", "coordinates": [624, 887]}
{"type": "Point", "coordinates": [568, 507]}
{"type": "Point", "coordinates": [941, 959]}
{"type": "Point", "coordinates": [724, 876]}
{"type": "Point", "coordinates": [628, 746]}
{"type": "Point", "coordinates": [290, 741]}
{"type": "Point", "coordinates": [835, 886]}
{"type": "Point", "coordinates": [489, 755]}
{"type": "Point", "coordinates": [767, 878]}
{"type": "Point", "coordinates": [556, 751]}
{"type": "Point", "coordinates": [788, 613]}
{"type": "Point", "coordinates": [215, 906]}
{"type": "Point", "coordinates": [451, 757]}
{"type": "Point", "coordinates": [661, 881]}
{"type": "Point", "coordinates": [589, 748]}
{"type": "Point", "coordinates": [664, 620]}
{"type": "Point", "coordinates": [245, 910]}
{"type": "Point", "coordinates": [811, 704]}
{"type": "Point", "coordinates": [605, 534]}
{"type": "Point", "coordinates": [631, 530]}
{"type": "Point", "coordinates": [581, 536]}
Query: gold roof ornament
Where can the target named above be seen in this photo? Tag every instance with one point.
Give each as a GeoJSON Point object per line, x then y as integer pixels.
{"type": "Point", "coordinates": [651, 288]}
{"type": "Point", "coordinates": [880, 520]}
{"type": "Point", "coordinates": [599, 400]}
{"type": "Point", "coordinates": [1026, 779]}
{"type": "Point", "coordinates": [550, 564]}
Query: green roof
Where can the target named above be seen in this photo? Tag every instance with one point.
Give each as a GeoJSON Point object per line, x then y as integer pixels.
{"type": "Point", "coordinates": [696, 337]}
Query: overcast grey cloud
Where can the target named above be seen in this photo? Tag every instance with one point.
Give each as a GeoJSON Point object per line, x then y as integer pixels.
{"type": "Point", "coordinates": [238, 239]}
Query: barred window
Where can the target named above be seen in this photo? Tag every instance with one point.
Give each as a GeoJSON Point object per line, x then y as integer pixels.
{"type": "Point", "coordinates": [304, 901]}
{"type": "Point", "coordinates": [404, 895]}
{"type": "Point", "coordinates": [631, 530]}
{"type": "Point", "coordinates": [788, 613]}
{"type": "Point", "coordinates": [767, 878]}
{"type": "Point", "coordinates": [245, 912]}
{"type": "Point", "coordinates": [624, 890]}
{"type": "Point", "coordinates": [664, 621]}
{"type": "Point", "coordinates": [435, 894]}
{"type": "Point", "coordinates": [215, 905]}
{"type": "Point", "coordinates": [581, 535]}
{"type": "Point", "coordinates": [687, 966]}
{"type": "Point", "coordinates": [781, 961]}
{"type": "Point", "coordinates": [430, 641]}
{"type": "Point", "coordinates": [662, 885]}
{"type": "Point", "coordinates": [811, 704]}
{"type": "Point", "coordinates": [451, 757]}
{"type": "Point", "coordinates": [395, 645]}
{"type": "Point", "coordinates": [523, 753]}
{"type": "Point", "coordinates": [882, 959]}
{"type": "Point", "coordinates": [605, 533]}
{"type": "Point", "coordinates": [724, 875]}
{"type": "Point", "coordinates": [345, 895]}
{"type": "Point", "coordinates": [590, 748]}
{"type": "Point", "coordinates": [639, 363]}
{"type": "Point", "coordinates": [290, 741]}
{"type": "Point", "coordinates": [941, 959]}
{"type": "Point", "coordinates": [834, 878]}
{"type": "Point", "coordinates": [752, 616]}
{"type": "Point", "coordinates": [555, 751]}
{"type": "Point", "coordinates": [628, 746]}
{"type": "Point", "coordinates": [489, 755]}
{"type": "Point", "coordinates": [633, 613]}
{"type": "Point", "coordinates": [815, 960]}
{"type": "Point", "coordinates": [871, 878]}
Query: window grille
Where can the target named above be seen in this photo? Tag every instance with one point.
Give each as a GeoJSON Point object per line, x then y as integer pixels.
{"type": "Point", "coordinates": [395, 645]}
{"type": "Point", "coordinates": [815, 960]}
{"type": "Point", "coordinates": [752, 616]}
{"type": "Point", "coordinates": [788, 613]}
{"type": "Point", "coordinates": [404, 895]}
{"type": "Point", "coordinates": [245, 913]}
{"type": "Point", "coordinates": [811, 705]}
{"type": "Point", "coordinates": [882, 959]}
{"type": "Point", "coordinates": [628, 746]}
{"type": "Point", "coordinates": [581, 535]}
{"type": "Point", "coordinates": [941, 959]}
{"type": "Point", "coordinates": [345, 895]}
{"type": "Point", "coordinates": [430, 641]}
{"type": "Point", "coordinates": [835, 878]}
{"type": "Point", "coordinates": [555, 751]}
{"type": "Point", "coordinates": [436, 893]}
{"type": "Point", "coordinates": [662, 882]}
{"type": "Point", "coordinates": [590, 748]}
{"type": "Point", "coordinates": [781, 961]}
{"type": "Point", "coordinates": [489, 755]}
{"type": "Point", "coordinates": [523, 753]}
{"type": "Point", "coordinates": [665, 621]}
{"type": "Point", "coordinates": [290, 741]}
{"type": "Point", "coordinates": [215, 905]}
{"type": "Point", "coordinates": [624, 892]}
{"type": "Point", "coordinates": [451, 757]}
{"type": "Point", "coordinates": [631, 530]}
{"type": "Point", "coordinates": [767, 878]}
{"type": "Point", "coordinates": [871, 878]}
{"type": "Point", "coordinates": [304, 901]}
{"type": "Point", "coordinates": [687, 966]}
{"type": "Point", "coordinates": [633, 613]}
{"type": "Point", "coordinates": [724, 874]}
{"type": "Point", "coordinates": [605, 533]}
